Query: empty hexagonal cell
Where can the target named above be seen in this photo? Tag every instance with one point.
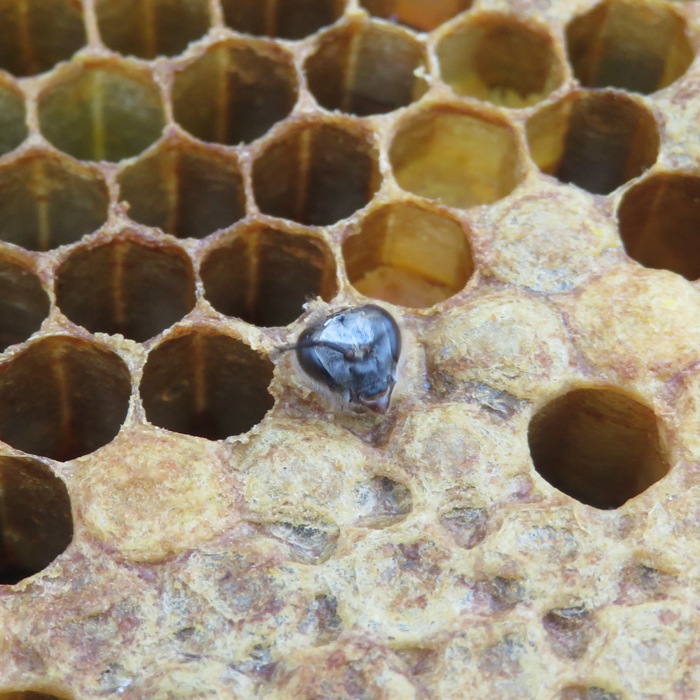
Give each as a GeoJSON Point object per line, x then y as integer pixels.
{"type": "Point", "coordinates": [62, 397]}
{"type": "Point", "coordinates": [23, 302]}
{"type": "Point", "coordinates": [206, 384]}
{"type": "Point", "coordinates": [152, 28]}
{"type": "Point", "coordinates": [408, 255]}
{"type": "Point", "coordinates": [366, 68]}
{"type": "Point", "coordinates": [316, 174]}
{"type": "Point", "coordinates": [101, 111]}
{"type": "Point", "coordinates": [659, 222]}
{"type": "Point", "coordinates": [419, 14]}
{"type": "Point", "coordinates": [639, 46]}
{"type": "Point", "coordinates": [598, 445]}
{"type": "Point", "coordinates": [185, 190]}
{"type": "Point", "coordinates": [125, 286]}
{"type": "Point", "coordinates": [13, 128]}
{"type": "Point", "coordinates": [500, 59]}
{"type": "Point", "coordinates": [459, 156]}
{"type": "Point", "coordinates": [264, 275]}
{"type": "Point", "coordinates": [47, 200]}
{"type": "Point", "coordinates": [595, 140]}
{"type": "Point", "coordinates": [235, 91]}
{"type": "Point", "coordinates": [37, 34]}
{"type": "Point", "coordinates": [286, 19]}
{"type": "Point", "coordinates": [36, 524]}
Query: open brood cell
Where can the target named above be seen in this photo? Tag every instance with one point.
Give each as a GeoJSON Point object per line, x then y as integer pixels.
{"type": "Point", "coordinates": [177, 179]}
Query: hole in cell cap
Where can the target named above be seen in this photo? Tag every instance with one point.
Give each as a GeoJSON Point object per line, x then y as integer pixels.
{"type": "Point", "coordinates": [659, 222]}
{"type": "Point", "coordinates": [101, 111]}
{"type": "Point", "coordinates": [62, 398]}
{"type": "Point", "coordinates": [49, 200]}
{"type": "Point", "coordinates": [366, 68]}
{"type": "Point", "coordinates": [286, 19]}
{"type": "Point", "coordinates": [185, 190]}
{"type": "Point", "coordinates": [153, 28]}
{"type": "Point", "coordinates": [588, 692]}
{"type": "Point", "coordinates": [381, 502]}
{"type": "Point", "coordinates": [468, 525]}
{"type": "Point", "coordinates": [235, 92]}
{"type": "Point", "coordinates": [408, 255]}
{"type": "Point", "coordinates": [36, 524]}
{"type": "Point", "coordinates": [500, 59]}
{"type": "Point", "coordinates": [595, 140]}
{"type": "Point", "coordinates": [23, 303]}
{"type": "Point", "coordinates": [307, 542]}
{"type": "Point", "coordinates": [638, 46]}
{"type": "Point", "coordinates": [206, 384]}
{"type": "Point", "coordinates": [265, 276]}
{"type": "Point", "coordinates": [37, 34]}
{"type": "Point", "coordinates": [317, 174]}
{"type": "Point", "coordinates": [597, 445]}
{"type": "Point", "coordinates": [126, 287]}
{"type": "Point", "coordinates": [418, 14]}
{"type": "Point", "coordinates": [458, 156]}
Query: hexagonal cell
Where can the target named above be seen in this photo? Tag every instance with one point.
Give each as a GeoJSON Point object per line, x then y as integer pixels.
{"type": "Point", "coordinates": [125, 286]}
{"type": "Point", "coordinates": [47, 200]}
{"type": "Point", "coordinates": [235, 91]}
{"type": "Point", "coordinates": [264, 275]}
{"type": "Point", "coordinates": [598, 445]}
{"type": "Point", "coordinates": [500, 59]}
{"type": "Point", "coordinates": [595, 140]}
{"type": "Point", "coordinates": [36, 524]}
{"type": "Point", "coordinates": [639, 46]}
{"type": "Point", "coordinates": [185, 190]}
{"type": "Point", "coordinates": [286, 19]}
{"type": "Point", "coordinates": [316, 174]}
{"type": "Point", "coordinates": [37, 34]}
{"type": "Point", "coordinates": [206, 384]}
{"type": "Point", "coordinates": [458, 155]}
{"type": "Point", "coordinates": [153, 28]}
{"type": "Point", "coordinates": [421, 15]}
{"type": "Point", "coordinates": [659, 222]}
{"type": "Point", "coordinates": [408, 255]}
{"type": "Point", "coordinates": [351, 70]}
{"type": "Point", "coordinates": [62, 398]}
{"type": "Point", "coordinates": [13, 128]}
{"type": "Point", "coordinates": [101, 111]}
{"type": "Point", "coordinates": [23, 302]}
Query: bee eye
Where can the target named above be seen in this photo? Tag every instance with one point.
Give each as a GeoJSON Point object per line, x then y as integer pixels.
{"type": "Point", "coordinates": [354, 355]}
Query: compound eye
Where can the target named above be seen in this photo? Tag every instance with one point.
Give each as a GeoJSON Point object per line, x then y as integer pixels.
{"type": "Point", "coordinates": [310, 362]}
{"type": "Point", "coordinates": [388, 327]}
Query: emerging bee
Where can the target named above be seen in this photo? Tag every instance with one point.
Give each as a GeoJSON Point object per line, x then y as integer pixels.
{"type": "Point", "coordinates": [353, 355]}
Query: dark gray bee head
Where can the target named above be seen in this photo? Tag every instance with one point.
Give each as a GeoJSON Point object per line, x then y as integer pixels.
{"type": "Point", "coordinates": [354, 353]}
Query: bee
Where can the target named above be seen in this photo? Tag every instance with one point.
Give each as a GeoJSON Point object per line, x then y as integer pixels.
{"type": "Point", "coordinates": [352, 356]}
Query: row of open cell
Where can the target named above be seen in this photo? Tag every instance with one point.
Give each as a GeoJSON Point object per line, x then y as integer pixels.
{"type": "Point", "coordinates": [406, 252]}
{"type": "Point", "coordinates": [318, 173]}
{"type": "Point", "coordinates": [236, 90]}
{"type": "Point", "coordinates": [640, 46]}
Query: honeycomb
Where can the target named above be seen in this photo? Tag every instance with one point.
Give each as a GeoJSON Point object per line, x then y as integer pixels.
{"type": "Point", "coordinates": [183, 516]}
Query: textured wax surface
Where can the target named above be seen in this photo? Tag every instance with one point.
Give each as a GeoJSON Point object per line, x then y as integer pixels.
{"type": "Point", "coordinates": [183, 516]}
